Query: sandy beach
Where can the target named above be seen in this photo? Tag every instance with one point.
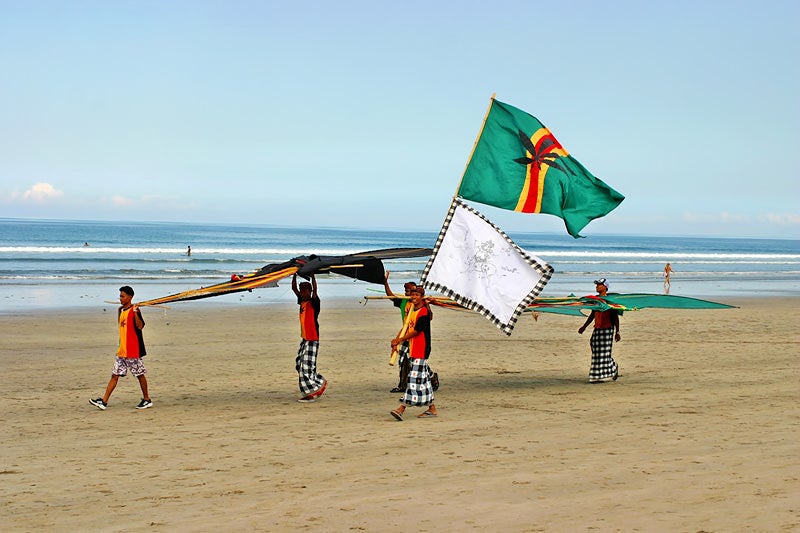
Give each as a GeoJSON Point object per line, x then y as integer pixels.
{"type": "Point", "coordinates": [700, 433]}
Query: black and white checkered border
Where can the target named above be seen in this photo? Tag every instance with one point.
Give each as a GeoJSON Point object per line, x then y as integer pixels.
{"type": "Point", "coordinates": [544, 269]}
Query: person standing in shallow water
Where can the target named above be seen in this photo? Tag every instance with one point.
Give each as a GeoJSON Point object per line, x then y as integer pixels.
{"type": "Point", "coordinates": [130, 352]}
{"type": "Point", "coordinates": [667, 274]}
{"type": "Point", "coordinates": [419, 389]}
{"type": "Point", "coordinates": [312, 384]}
{"type": "Point", "coordinates": [606, 331]}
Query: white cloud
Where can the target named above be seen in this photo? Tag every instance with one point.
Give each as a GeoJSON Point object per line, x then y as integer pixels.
{"type": "Point", "coordinates": [726, 217]}
{"type": "Point", "coordinates": [41, 192]}
{"type": "Point", "coordinates": [121, 201]}
{"type": "Point", "coordinates": [783, 218]}
{"type": "Point", "coordinates": [695, 218]}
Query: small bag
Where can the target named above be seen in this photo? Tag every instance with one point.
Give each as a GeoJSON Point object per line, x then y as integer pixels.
{"type": "Point", "coordinates": [435, 381]}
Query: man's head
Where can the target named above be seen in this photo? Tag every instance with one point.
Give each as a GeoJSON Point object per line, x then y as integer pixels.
{"type": "Point", "coordinates": [125, 295]}
{"type": "Point", "coordinates": [416, 294]}
{"type": "Point", "coordinates": [305, 290]}
{"type": "Point", "coordinates": [601, 285]}
{"type": "Point", "coordinates": [409, 286]}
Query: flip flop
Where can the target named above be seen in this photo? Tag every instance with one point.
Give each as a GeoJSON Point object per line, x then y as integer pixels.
{"type": "Point", "coordinates": [426, 414]}
{"type": "Point", "coordinates": [397, 414]}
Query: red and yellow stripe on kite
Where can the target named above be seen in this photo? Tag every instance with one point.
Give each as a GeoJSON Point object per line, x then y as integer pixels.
{"type": "Point", "coordinates": [248, 282]}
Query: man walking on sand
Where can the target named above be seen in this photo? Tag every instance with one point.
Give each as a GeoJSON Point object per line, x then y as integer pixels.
{"type": "Point", "coordinates": [130, 351]}
{"type": "Point", "coordinates": [404, 304]}
{"type": "Point", "coordinates": [311, 382]}
{"type": "Point", "coordinates": [419, 389]}
{"type": "Point", "coordinates": [606, 331]}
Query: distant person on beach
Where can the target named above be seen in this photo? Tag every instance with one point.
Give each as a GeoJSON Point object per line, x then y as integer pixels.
{"type": "Point", "coordinates": [667, 274]}
{"type": "Point", "coordinates": [188, 250]}
{"type": "Point", "coordinates": [606, 331]}
{"type": "Point", "coordinates": [404, 304]}
{"type": "Point", "coordinates": [312, 384]}
{"type": "Point", "coordinates": [130, 352]}
{"type": "Point", "coordinates": [419, 389]}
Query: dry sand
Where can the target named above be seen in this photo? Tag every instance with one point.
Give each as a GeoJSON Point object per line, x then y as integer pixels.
{"type": "Point", "coordinates": [700, 433]}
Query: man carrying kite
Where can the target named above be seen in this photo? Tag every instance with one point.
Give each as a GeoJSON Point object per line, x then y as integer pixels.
{"type": "Point", "coordinates": [130, 351]}
{"type": "Point", "coordinates": [404, 304]}
{"type": "Point", "coordinates": [312, 384]}
{"type": "Point", "coordinates": [606, 331]}
{"type": "Point", "coordinates": [419, 389]}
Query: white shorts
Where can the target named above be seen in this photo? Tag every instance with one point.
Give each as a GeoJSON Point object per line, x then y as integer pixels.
{"type": "Point", "coordinates": [123, 364]}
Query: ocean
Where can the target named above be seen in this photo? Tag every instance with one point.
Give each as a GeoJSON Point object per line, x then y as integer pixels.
{"type": "Point", "coordinates": [48, 264]}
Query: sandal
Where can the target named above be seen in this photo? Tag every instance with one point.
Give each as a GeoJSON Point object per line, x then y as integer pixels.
{"type": "Point", "coordinates": [427, 414]}
{"type": "Point", "coordinates": [397, 414]}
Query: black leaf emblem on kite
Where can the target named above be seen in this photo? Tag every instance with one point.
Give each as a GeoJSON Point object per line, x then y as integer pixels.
{"type": "Point", "coordinates": [544, 155]}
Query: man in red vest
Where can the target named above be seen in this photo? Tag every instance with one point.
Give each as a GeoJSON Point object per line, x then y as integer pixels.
{"type": "Point", "coordinates": [419, 389]}
{"type": "Point", "coordinates": [606, 331]}
{"type": "Point", "coordinates": [312, 384]}
{"type": "Point", "coordinates": [130, 351]}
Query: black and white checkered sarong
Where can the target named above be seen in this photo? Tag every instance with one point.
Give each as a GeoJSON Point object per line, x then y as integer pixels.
{"type": "Point", "coordinates": [603, 365]}
{"type": "Point", "coordinates": [306, 365]}
{"type": "Point", "coordinates": [402, 361]}
{"type": "Point", "coordinates": [419, 390]}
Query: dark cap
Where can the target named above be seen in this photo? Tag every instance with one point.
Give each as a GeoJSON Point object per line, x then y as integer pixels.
{"type": "Point", "coordinates": [601, 281]}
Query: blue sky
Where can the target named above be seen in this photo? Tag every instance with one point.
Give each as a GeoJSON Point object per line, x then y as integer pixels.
{"type": "Point", "coordinates": [363, 113]}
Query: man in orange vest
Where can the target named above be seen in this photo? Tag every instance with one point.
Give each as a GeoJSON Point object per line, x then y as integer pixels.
{"type": "Point", "coordinates": [419, 389]}
{"type": "Point", "coordinates": [312, 384]}
{"type": "Point", "coordinates": [130, 351]}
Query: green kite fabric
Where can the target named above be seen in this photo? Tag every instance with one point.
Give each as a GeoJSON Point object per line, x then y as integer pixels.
{"type": "Point", "coordinates": [573, 305]}
{"type": "Point", "coordinates": [519, 165]}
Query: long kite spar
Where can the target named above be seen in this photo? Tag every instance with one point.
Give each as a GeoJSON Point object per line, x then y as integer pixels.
{"type": "Point", "coordinates": [364, 266]}
{"type": "Point", "coordinates": [575, 305]}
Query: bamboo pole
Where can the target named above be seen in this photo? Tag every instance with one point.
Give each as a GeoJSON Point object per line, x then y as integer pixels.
{"type": "Point", "coordinates": [455, 194]}
{"type": "Point", "coordinates": [139, 305]}
{"type": "Point", "coordinates": [475, 144]}
{"type": "Point", "coordinates": [345, 266]}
